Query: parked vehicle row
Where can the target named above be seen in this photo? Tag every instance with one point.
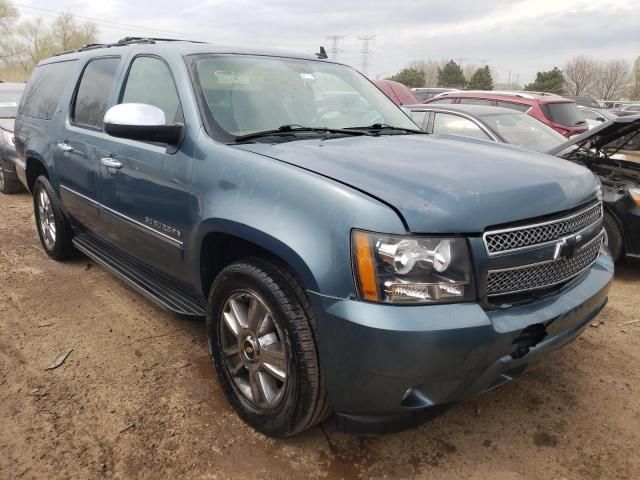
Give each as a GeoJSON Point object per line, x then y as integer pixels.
{"type": "Point", "coordinates": [344, 259]}
{"type": "Point", "coordinates": [10, 94]}
{"type": "Point", "coordinates": [596, 149]}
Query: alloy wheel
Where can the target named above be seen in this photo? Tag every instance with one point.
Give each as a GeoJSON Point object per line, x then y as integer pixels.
{"type": "Point", "coordinates": [46, 219]}
{"type": "Point", "coordinates": [253, 349]}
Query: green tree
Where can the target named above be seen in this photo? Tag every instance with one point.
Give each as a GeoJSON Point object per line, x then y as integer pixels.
{"type": "Point", "coordinates": [481, 79]}
{"type": "Point", "coordinates": [451, 76]}
{"type": "Point", "coordinates": [551, 81]}
{"type": "Point", "coordinates": [411, 77]}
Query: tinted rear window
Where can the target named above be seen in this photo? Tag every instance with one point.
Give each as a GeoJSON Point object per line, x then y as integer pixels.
{"type": "Point", "coordinates": [94, 91]}
{"type": "Point", "coordinates": [563, 113]}
{"type": "Point", "coordinates": [44, 89]}
{"type": "Point", "coordinates": [476, 101]}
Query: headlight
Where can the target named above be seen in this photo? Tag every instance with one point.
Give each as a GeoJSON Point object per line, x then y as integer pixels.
{"type": "Point", "coordinates": [9, 138]}
{"type": "Point", "coordinates": [635, 195]}
{"type": "Point", "coordinates": [415, 270]}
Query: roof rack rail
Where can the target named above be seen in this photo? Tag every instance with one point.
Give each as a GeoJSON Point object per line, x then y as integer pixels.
{"type": "Point", "coordinates": [125, 41]}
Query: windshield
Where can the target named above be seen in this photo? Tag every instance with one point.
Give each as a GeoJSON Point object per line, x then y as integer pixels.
{"type": "Point", "coordinates": [524, 131]}
{"type": "Point", "coordinates": [564, 113]}
{"type": "Point", "coordinates": [249, 94]}
{"type": "Point", "coordinates": [9, 102]}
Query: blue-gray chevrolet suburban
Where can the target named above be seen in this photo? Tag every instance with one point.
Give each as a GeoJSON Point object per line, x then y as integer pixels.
{"type": "Point", "coordinates": [344, 260]}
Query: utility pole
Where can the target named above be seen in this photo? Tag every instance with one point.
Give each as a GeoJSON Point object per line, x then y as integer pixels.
{"type": "Point", "coordinates": [335, 49]}
{"type": "Point", "coordinates": [366, 52]}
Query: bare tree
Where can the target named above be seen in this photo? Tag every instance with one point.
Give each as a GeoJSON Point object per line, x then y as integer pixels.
{"type": "Point", "coordinates": [579, 74]}
{"type": "Point", "coordinates": [634, 81]}
{"type": "Point", "coordinates": [67, 34]}
{"type": "Point", "coordinates": [469, 70]}
{"type": "Point", "coordinates": [430, 70]}
{"type": "Point", "coordinates": [610, 78]}
{"type": "Point", "coordinates": [8, 18]}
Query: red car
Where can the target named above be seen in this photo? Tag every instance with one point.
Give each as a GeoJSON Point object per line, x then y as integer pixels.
{"type": "Point", "coordinates": [558, 112]}
{"type": "Point", "coordinates": [399, 93]}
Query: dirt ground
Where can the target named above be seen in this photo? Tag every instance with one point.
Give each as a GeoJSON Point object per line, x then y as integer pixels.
{"type": "Point", "coordinates": [137, 397]}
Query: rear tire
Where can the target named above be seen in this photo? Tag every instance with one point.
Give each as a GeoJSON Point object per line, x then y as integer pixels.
{"type": "Point", "coordinates": [8, 185]}
{"type": "Point", "coordinates": [53, 228]}
{"type": "Point", "coordinates": [613, 238]}
{"type": "Point", "coordinates": [299, 398]}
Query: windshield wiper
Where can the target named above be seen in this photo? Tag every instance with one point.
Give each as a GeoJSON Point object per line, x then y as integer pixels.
{"type": "Point", "coordinates": [293, 129]}
{"type": "Point", "coordinates": [378, 127]}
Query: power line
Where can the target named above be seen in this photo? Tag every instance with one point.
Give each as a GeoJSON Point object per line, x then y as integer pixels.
{"type": "Point", "coordinates": [127, 27]}
{"type": "Point", "coordinates": [366, 39]}
{"type": "Point", "coordinates": [334, 50]}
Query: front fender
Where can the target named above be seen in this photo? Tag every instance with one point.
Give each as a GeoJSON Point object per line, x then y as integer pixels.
{"type": "Point", "coordinates": [302, 217]}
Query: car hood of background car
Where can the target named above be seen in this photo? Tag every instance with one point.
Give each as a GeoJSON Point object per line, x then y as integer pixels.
{"type": "Point", "coordinates": [443, 186]}
{"type": "Point", "coordinates": [7, 124]}
{"type": "Point", "coordinates": [601, 135]}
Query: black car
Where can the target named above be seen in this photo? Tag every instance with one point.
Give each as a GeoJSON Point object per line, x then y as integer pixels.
{"type": "Point", "coordinates": [10, 94]}
{"type": "Point", "coordinates": [611, 150]}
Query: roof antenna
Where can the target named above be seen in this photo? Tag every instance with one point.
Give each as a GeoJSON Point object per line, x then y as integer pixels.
{"type": "Point", "coordinates": [322, 54]}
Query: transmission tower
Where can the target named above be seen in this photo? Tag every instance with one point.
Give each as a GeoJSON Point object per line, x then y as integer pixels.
{"type": "Point", "coordinates": [335, 49]}
{"type": "Point", "coordinates": [366, 39]}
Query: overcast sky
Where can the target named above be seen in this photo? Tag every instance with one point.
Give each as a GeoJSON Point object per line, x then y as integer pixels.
{"type": "Point", "coordinates": [521, 36]}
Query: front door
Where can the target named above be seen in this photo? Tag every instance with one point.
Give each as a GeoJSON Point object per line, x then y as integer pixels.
{"type": "Point", "coordinates": [146, 186]}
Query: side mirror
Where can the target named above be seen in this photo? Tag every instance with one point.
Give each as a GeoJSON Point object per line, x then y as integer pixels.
{"type": "Point", "coordinates": [139, 121]}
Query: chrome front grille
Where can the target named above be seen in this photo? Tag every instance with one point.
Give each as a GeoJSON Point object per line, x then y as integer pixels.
{"type": "Point", "coordinates": [545, 274]}
{"type": "Point", "coordinates": [516, 238]}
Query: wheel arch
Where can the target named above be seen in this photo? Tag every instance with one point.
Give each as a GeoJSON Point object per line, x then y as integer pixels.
{"type": "Point", "coordinates": [221, 242]}
{"type": "Point", "coordinates": [35, 166]}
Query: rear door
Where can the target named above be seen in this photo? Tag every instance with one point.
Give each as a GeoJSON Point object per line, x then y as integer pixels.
{"type": "Point", "coordinates": [146, 186]}
{"type": "Point", "coordinates": [81, 138]}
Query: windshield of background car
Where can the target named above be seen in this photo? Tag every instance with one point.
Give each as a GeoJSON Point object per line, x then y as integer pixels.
{"type": "Point", "coordinates": [524, 131]}
{"type": "Point", "coordinates": [563, 113]}
{"type": "Point", "coordinates": [250, 94]}
{"type": "Point", "coordinates": [9, 102]}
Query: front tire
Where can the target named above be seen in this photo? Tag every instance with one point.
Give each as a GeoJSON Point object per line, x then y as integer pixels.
{"type": "Point", "coordinates": [8, 185]}
{"type": "Point", "coordinates": [613, 237]}
{"type": "Point", "coordinates": [53, 228]}
{"type": "Point", "coordinates": [260, 329]}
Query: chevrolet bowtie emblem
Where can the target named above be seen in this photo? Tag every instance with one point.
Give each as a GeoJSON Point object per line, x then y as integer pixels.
{"type": "Point", "coordinates": [567, 247]}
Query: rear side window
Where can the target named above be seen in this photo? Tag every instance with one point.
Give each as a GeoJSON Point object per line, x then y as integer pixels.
{"type": "Point", "coordinates": [476, 101]}
{"type": "Point", "coordinates": [94, 91]}
{"type": "Point", "coordinates": [418, 118]}
{"type": "Point", "coordinates": [446, 123]}
{"type": "Point", "coordinates": [444, 100]}
{"type": "Point", "coordinates": [150, 81]}
{"type": "Point", "coordinates": [45, 88]}
{"type": "Point", "coordinates": [514, 106]}
{"type": "Point", "coordinates": [563, 113]}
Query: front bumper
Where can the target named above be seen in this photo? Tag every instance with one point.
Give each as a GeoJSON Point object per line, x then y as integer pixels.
{"type": "Point", "coordinates": [390, 367]}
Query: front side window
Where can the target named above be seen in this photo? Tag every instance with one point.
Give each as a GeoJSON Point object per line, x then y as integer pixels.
{"type": "Point", "coordinates": [446, 123]}
{"type": "Point", "coordinates": [45, 88]}
{"type": "Point", "coordinates": [94, 91]}
{"type": "Point", "coordinates": [150, 81]}
{"type": "Point", "coordinates": [246, 94]}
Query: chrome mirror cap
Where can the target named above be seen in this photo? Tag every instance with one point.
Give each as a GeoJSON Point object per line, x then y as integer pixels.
{"type": "Point", "coordinates": [135, 114]}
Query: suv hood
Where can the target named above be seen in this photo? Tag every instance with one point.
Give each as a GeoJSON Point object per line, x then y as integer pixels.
{"type": "Point", "coordinates": [443, 186]}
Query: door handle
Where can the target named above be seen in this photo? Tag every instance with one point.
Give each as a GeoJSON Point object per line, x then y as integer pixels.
{"type": "Point", "coordinates": [65, 147]}
{"type": "Point", "coordinates": [111, 162]}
